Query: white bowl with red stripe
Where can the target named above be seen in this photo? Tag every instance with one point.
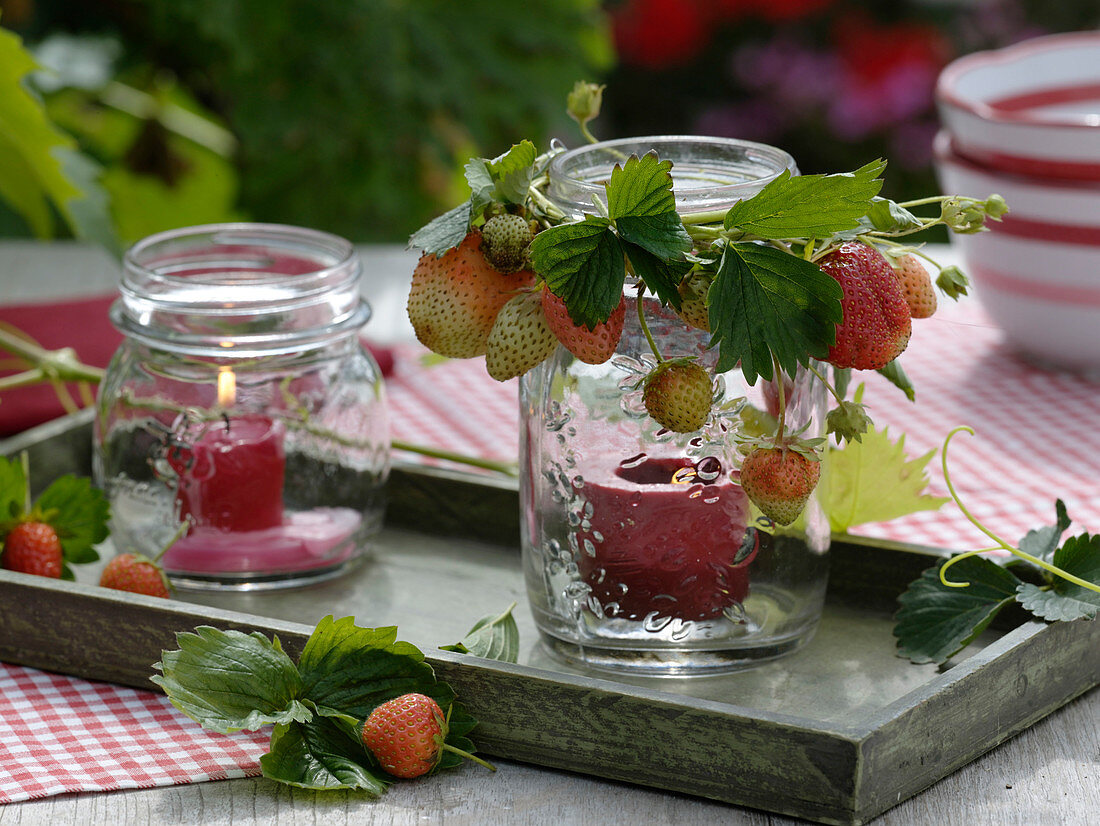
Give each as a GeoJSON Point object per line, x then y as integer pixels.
{"type": "Point", "coordinates": [1037, 271]}
{"type": "Point", "coordinates": [1031, 108]}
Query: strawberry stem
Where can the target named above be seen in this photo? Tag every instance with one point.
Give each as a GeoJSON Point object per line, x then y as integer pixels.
{"type": "Point", "coordinates": [185, 525]}
{"type": "Point", "coordinates": [468, 756]}
{"type": "Point", "coordinates": [507, 468]}
{"type": "Point", "coordinates": [778, 373]}
{"type": "Point", "coordinates": [639, 305]}
{"type": "Point", "coordinates": [25, 462]}
{"type": "Point", "coordinates": [1001, 544]}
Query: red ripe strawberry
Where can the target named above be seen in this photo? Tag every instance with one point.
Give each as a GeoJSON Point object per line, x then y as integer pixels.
{"type": "Point", "coordinates": [678, 394]}
{"type": "Point", "coordinates": [779, 480]}
{"type": "Point", "coordinates": [135, 573]}
{"type": "Point", "coordinates": [876, 325]}
{"type": "Point", "coordinates": [916, 286]}
{"type": "Point", "coordinates": [406, 734]}
{"type": "Point", "coordinates": [33, 548]}
{"type": "Point", "coordinates": [455, 298]}
{"type": "Point", "coordinates": [593, 346]}
{"type": "Point", "coordinates": [520, 338]}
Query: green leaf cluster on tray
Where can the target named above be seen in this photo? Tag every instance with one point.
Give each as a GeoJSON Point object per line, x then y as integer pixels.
{"type": "Point", "coordinates": [938, 619]}
{"type": "Point", "coordinates": [229, 681]}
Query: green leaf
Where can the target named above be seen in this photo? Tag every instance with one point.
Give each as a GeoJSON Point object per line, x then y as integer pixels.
{"type": "Point", "coordinates": [79, 514]}
{"type": "Point", "coordinates": [641, 205]}
{"type": "Point", "coordinates": [896, 375]}
{"type": "Point", "coordinates": [886, 216]}
{"type": "Point", "coordinates": [583, 265]}
{"type": "Point", "coordinates": [661, 277]}
{"type": "Point", "coordinates": [935, 621]}
{"type": "Point", "coordinates": [808, 206]}
{"type": "Point", "coordinates": [765, 301]}
{"type": "Point", "coordinates": [354, 670]}
{"type": "Point", "coordinates": [494, 637]}
{"type": "Point", "coordinates": [228, 681]}
{"type": "Point", "coordinates": [34, 171]}
{"type": "Point", "coordinates": [13, 489]}
{"type": "Point", "coordinates": [1065, 600]}
{"type": "Point", "coordinates": [873, 480]}
{"type": "Point", "coordinates": [319, 754]}
{"type": "Point", "coordinates": [512, 172]}
{"type": "Point", "coordinates": [1043, 542]}
{"type": "Point", "coordinates": [445, 232]}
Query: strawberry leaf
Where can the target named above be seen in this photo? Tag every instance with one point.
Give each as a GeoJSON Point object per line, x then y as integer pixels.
{"type": "Point", "coordinates": [459, 724]}
{"type": "Point", "coordinates": [895, 374]}
{"type": "Point", "coordinates": [13, 492]}
{"type": "Point", "coordinates": [354, 670]}
{"type": "Point", "coordinates": [765, 301]}
{"type": "Point", "coordinates": [494, 637]}
{"type": "Point", "coordinates": [79, 514]}
{"type": "Point", "coordinates": [319, 754]}
{"type": "Point", "coordinates": [583, 265]}
{"type": "Point", "coordinates": [873, 480]}
{"type": "Point", "coordinates": [512, 172]}
{"type": "Point", "coordinates": [641, 205]}
{"type": "Point", "coordinates": [1064, 600]}
{"type": "Point", "coordinates": [445, 232]}
{"type": "Point", "coordinates": [227, 681]}
{"type": "Point", "coordinates": [935, 621]}
{"type": "Point", "coordinates": [1043, 542]}
{"type": "Point", "coordinates": [662, 278]}
{"type": "Point", "coordinates": [808, 206]}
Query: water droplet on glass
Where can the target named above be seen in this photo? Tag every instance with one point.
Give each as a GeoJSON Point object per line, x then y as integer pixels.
{"type": "Point", "coordinates": [576, 590]}
{"type": "Point", "coordinates": [708, 468]}
{"type": "Point", "coordinates": [597, 536]}
{"type": "Point", "coordinates": [633, 461]}
{"type": "Point", "coordinates": [654, 623]}
{"type": "Point", "coordinates": [735, 613]}
{"type": "Point", "coordinates": [681, 631]}
{"type": "Point", "coordinates": [589, 548]}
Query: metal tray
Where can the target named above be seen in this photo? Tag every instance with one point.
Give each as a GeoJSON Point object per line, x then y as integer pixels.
{"type": "Point", "coordinates": [837, 733]}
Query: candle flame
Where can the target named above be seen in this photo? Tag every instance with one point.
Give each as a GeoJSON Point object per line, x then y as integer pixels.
{"type": "Point", "coordinates": [227, 387]}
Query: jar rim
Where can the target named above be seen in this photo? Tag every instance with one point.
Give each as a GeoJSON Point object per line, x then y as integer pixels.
{"type": "Point", "coordinates": [577, 175]}
{"type": "Point", "coordinates": [244, 287]}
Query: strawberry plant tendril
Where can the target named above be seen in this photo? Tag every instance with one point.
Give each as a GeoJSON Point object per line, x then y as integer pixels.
{"type": "Point", "coordinates": [1001, 543]}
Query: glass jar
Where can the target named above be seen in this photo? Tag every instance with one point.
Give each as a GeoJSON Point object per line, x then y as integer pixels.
{"type": "Point", "coordinates": [641, 551]}
{"type": "Point", "coordinates": [241, 412]}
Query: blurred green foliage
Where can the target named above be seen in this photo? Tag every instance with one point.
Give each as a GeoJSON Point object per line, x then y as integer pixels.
{"type": "Point", "coordinates": [352, 116]}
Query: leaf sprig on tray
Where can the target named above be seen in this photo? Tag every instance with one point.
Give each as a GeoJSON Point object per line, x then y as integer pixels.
{"type": "Point", "coordinates": [1052, 579]}
{"type": "Point", "coordinates": [229, 681]}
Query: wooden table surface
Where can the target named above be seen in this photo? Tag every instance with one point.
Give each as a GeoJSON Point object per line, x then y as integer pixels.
{"type": "Point", "coordinates": [1050, 774]}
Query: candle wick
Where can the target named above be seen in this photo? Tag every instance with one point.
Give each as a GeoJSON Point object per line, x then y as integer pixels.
{"type": "Point", "coordinates": [225, 418]}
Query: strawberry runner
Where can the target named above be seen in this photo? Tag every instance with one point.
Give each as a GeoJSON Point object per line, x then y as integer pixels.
{"type": "Point", "coordinates": [60, 734]}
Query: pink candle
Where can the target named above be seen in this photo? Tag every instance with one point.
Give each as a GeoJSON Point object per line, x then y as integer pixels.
{"type": "Point", "coordinates": [666, 538]}
{"type": "Point", "coordinates": [231, 478]}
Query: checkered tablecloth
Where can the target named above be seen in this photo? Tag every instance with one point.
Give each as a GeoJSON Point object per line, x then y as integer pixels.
{"type": "Point", "coordinates": [1037, 439]}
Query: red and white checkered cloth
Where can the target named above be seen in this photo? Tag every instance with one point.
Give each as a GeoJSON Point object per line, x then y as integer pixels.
{"type": "Point", "coordinates": [62, 734]}
{"type": "Point", "coordinates": [1037, 439]}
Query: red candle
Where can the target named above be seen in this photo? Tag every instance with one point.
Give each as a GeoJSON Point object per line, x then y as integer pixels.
{"type": "Point", "coordinates": [231, 477]}
{"type": "Point", "coordinates": [666, 538]}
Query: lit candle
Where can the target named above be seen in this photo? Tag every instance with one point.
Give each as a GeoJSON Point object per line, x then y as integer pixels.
{"type": "Point", "coordinates": [231, 475]}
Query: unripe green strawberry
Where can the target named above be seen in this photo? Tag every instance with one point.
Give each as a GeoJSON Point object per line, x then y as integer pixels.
{"type": "Point", "coordinates": [455, 298]}
{"type": "Point", "coordinates": [593, 346]}
{"type": "Point", "coordinates": [136, 574]}
{"type": "Point", "coordinates": [33, 548]}
{"type": "Point", "coordinates": [916, 286]}
{"type": "Point", "coordinates": [678, 394]}
{"type": "Point", "coordinates": [693, 302]}
{"type": "Point", "coordinates": [520, 338]}
{"type": "Point", "coordinates": [505, 242]}
{"type": "Point", "coordinates": [779, 481]}
{"type": "Point", "coordinates": [876, 325]}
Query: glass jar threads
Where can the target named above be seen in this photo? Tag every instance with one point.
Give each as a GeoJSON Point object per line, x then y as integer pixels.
{"type": "Point", "coordinates": [241, 412]}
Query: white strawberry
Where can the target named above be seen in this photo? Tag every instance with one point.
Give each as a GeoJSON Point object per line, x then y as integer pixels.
{"type": "Point", "coordinates": [520, 338]}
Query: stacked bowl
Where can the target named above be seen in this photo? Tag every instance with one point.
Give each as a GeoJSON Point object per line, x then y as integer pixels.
{"type": "Point", "coordinates": [1024, 122]}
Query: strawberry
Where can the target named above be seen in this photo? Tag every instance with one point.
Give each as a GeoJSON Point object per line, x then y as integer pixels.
{"type": "Point", "coordinates": [678, 394]}
{"type": "Point", "coordinates": [407, 735]}
{"type": "Point", "coordinates": [505, 239]}
{"type": "Point", "coordinates": [876, 325]}
{"type": "Point", "coordinates": [135, 573]}
{"type": "Point", "coordinates": [593, 346]}
{"type": "Point", "coordinates": [779, 480]}
{"type": "Point", "coordinates": [455, 298]}
{"type": "Point", "coordinates": [916, 286]}
{"type": "Point", "coordinates": [33, 548]}
{"type": "Point", "coordinates": [520, 338]}
{"type": "Point", "coordinates": [693, 301]}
